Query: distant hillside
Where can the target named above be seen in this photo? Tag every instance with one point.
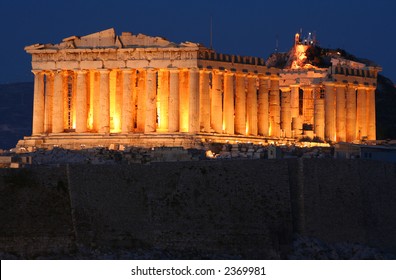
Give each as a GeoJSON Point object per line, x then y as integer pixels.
{"type": "Point", "coordinates": [16, 103]}
{"type": "Point", "coordinates": [386, 108]}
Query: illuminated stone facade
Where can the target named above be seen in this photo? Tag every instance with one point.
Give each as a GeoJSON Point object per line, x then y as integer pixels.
{"type": "Point", "coordinates": [335, 104]}
{"type": "Point", "coordinates": [103, 89]}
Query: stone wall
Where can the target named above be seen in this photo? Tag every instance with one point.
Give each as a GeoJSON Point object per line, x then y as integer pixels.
{"type": "Point", "coordinates": [35, 213]}
{"type": "Point", "coordinates": [349, 201]}
{"type": "Point", "coordinates": [224, 207]}
{"type": "Point", "coordinates": [240, 208]}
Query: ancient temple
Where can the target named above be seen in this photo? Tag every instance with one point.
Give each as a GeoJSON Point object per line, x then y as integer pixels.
{"type": "Point", "coordinates": [104, 89]}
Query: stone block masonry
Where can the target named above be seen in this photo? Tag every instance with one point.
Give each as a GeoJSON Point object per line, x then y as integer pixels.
{"type": "Point", "coordinates": [245, 209]}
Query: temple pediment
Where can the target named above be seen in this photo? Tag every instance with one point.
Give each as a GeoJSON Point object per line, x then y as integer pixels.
{"type": "Point", "coordinates": [108, 39]}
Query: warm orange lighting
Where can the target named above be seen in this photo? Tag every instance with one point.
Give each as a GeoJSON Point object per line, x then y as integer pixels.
{"type": "Point", "coordinates": [210, 154]}
{"type": "Point", "coordinates": [159, 113]}
{"type": "Point", "coordinates": [91, 99]}
{"type": "Point", "coordinates": [300, 56]}
{"type": "Point", "coordinates": [117, 124]}
{"type": "Point", "coordinates": [115, 115]}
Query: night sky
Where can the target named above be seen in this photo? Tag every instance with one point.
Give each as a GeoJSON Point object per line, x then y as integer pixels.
{"type": "Point", "coordinates": [362, 27]}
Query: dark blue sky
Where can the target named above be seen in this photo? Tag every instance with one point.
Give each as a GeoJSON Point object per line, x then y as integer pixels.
{"type": "Point", "coordinates": [364, 28]}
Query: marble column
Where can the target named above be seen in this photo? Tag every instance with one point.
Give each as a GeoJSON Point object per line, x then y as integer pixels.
{"type": "Point", "coordinates": [371, 126]}
{"type": "Point", "coordinates": [330, 117]}
{"type": "Point", "coordinates": [251, 105]}
{"type": "Point", "coordinates": [295, 110]}
{"type": "Point", "coordinates": [91, 98]}
{"type": "Point", "coordinates": [274, 107]}
{"type": "Point", "coordinates": [173, 100]}
{"type": "Point", "coordinates": [104, 102]}
{"type": "Point", "coordinates": [351, 113]}
{"type": "Point", "coordinates": [151, 100]}
{"type": "Point", "coordinates": [163, 100]}
{"type": "Point", "coordinates": [193, 114]}
{"type": "Point", "coordinates": [117, 117]}
{"type": "Point", "coordinates": [319, 113]}
{"type": "Point", "coordinates": [361, 113]}
{"type": "Point", "coordinates": [286, 113]}
{"type": "Point", "coordinates": [184, 103]}
{"type": "Point", "coordinates": [340, 113]}
{"type": "Point", "coordinates": [204, 101]}
{"type": "Point", "coordinates": [127, 101]}
{"type": "Point", "coordinates": [96, 101]}
{"type": "Point", "coordinates": [308, 105]}
{"type": "Point", "coordinates": [48, 101]}
{"type": "Point", "coordinates": [38, 103]}
{"type": "Point", "coordinates": [67, 99]}
{"type": "Point", "coordinates": [57, 107]}
{"type": "Point", "coordinates": [81, 102]}
{"type": "Point", "coordinates": [216, 104]}
{"type": "Point", "coordinates": [228, 112]}
{"type": "Point", "coordinates": [263, 106]}
{"type": "Point", "coordinates": [141, 101]}
{"type": "Point", "coordinates": [240, 104]}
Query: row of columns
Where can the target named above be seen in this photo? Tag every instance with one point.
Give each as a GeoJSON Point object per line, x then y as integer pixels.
{"type": "Point", "coordinates": [194, 100]}
{"type": "Point", "coordinates": [337, 112]}
{"type": "Point", "coordinates": [149, 100]}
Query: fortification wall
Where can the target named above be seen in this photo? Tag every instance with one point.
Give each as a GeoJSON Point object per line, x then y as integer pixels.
{"type": "Point", "coordinates": [35, 212]}
{"type": "Point", "coordinates": [349, 201]}
{"type": "Point", "coordinates": [224, 207]}
{"type": "Point", "coordinates": [246, 208]}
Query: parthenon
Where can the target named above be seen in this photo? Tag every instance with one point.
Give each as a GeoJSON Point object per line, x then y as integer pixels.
{"type": "Point", "coordinates": [100, 89]}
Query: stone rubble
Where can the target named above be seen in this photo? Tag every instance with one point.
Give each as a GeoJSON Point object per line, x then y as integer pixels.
{"type": "Point", "coordinates": [118, 154]}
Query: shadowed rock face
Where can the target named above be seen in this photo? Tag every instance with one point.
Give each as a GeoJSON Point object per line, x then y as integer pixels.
{"type": "Point", "coordinates": [223, 209]}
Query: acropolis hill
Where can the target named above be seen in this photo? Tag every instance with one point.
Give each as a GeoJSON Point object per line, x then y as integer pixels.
{"type": "Point", "coordinates": [136, 90]}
